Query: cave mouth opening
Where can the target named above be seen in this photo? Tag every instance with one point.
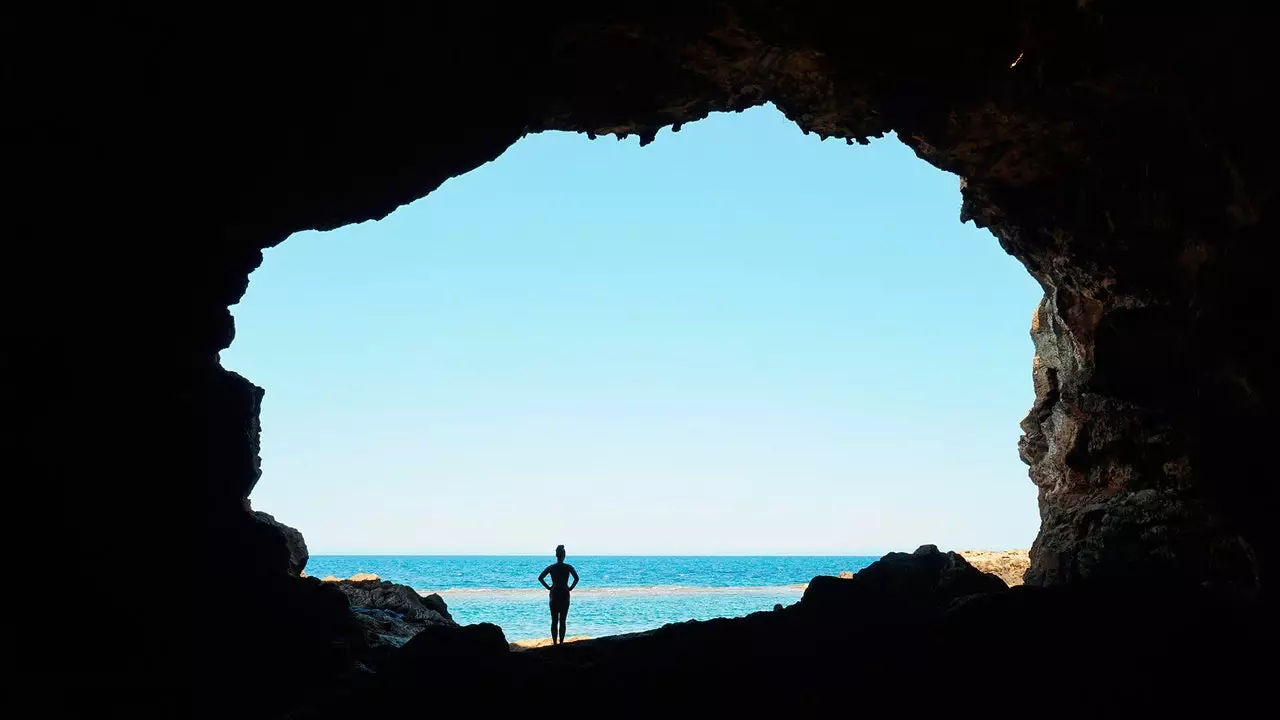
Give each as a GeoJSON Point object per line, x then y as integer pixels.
{"type": "Point", "coordinates": [753, 326]}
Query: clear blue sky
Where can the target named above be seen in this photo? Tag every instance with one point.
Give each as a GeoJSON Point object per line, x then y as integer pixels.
{"type": "Point", "coordinates": [738, 339]}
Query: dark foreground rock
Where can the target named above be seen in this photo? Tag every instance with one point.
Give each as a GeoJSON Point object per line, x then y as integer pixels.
{"type": "Point", "coordinates": [898, 585]}
{"type": "Point", "coordinates": [292, 539]}
{"type": "Point", "coordinates": [442, 645]}
{"type": "Point", "coordinates": [391, 614]}
{"type": "Point", "coordinates": [402, 599]}
{"type": "Point", "coordinates": [941, 654]}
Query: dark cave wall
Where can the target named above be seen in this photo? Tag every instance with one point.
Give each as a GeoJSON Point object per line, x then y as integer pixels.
{"type": "Point", "coordinates": [1106, 160]}
{"type": "Point", "coordinates": [156, 155]}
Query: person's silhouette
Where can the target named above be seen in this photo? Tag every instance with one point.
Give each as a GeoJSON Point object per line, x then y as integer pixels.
{"type": "Point", "coordinates": [560, 571]}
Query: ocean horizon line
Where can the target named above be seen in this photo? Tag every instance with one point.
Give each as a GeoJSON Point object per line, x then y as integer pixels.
{"type": "Point", "coordinates": [610, 555]}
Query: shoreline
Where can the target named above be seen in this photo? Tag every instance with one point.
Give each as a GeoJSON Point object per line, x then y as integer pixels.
{"type": "Point", "coordinates": [1009, 565]}
{"type": "Point", "coordinates": [626, 591]}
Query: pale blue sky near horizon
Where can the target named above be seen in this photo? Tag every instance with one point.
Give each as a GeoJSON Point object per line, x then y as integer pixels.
{"type": "Point", "coordinates": [736, 340]}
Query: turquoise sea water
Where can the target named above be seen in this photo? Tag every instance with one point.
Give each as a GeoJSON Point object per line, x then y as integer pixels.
{"type": "Point", "coordinates": [617, 594]}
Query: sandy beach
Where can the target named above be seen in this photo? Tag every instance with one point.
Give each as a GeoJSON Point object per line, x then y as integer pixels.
{"type": "Point", "coordinates": [522, 645]}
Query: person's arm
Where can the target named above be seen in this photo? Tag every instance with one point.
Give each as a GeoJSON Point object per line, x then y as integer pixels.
{"type": "Point", "coordinates": [574, 573]}
{"type": "Point", "coordinates": [543, 577]}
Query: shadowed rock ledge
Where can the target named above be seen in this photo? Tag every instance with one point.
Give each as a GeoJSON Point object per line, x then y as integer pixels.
{"type": "Point", "coordinates": [907, 617]}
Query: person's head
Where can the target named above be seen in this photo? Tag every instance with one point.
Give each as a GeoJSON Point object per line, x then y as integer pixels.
{"type": "Point", "coordinates": [560, 553]}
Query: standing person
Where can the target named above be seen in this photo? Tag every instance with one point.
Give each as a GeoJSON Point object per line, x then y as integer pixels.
{"type": "Point", "coordinates": [560, 588]}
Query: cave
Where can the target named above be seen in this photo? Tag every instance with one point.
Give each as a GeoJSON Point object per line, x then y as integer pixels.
{"type": "Point", "coordinates": [1111, 148]}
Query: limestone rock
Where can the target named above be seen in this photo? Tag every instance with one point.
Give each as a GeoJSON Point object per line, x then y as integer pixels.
{"type": "Point", "coordinates": [1008, 565]}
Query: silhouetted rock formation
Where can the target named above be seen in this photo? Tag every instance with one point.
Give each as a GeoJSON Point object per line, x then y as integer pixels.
{"type": "Point", "coordinates": [384, 595]}
{"type": "Point", "coordinates": [391, 614]}
{"type": "Point", "coordinates": [899, 583]}
{"type": "Point", "coordinates": [293, 540]}
{"type": "Point", "coordinates": [437, 603]}
{"type": "Point", "coordinates": [442, 653]}
{"type": "Point", "coordinates": [440, 645]}
{"type": "Point", "coordinates": [881, 632]}
{"type": "Point", "coordinates": [1110, 147]}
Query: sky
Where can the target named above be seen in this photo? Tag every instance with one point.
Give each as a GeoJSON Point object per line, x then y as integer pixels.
{"type": "Point", "coordinates": [736, 340]}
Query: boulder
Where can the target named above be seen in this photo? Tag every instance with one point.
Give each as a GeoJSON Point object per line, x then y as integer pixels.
{"type": "Point", "coordinates": [389, 614]}
{"type": "Point", "coordinates": [443, 645]}
{"type": "Point", "coordinates": [402, 599]}
{"type": "Point", "coordinates": [437, 603]}
{"type": "Point", "coordinates": [898, 584]}
{"type": "Point", "coordinates": [474, 656]}
{"type": "Point", "coordinates": [292, 539]}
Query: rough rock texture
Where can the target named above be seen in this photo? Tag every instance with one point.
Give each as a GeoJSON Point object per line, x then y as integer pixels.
{"type": "Point", "coordinates": [358, 577]}
{"type": "Point", "coordinates": [384, 595]}
{"type": "Point", "coordinates": [1008, 565]}
{"type": "Point", "coordinates": [293, 540]}
{"type": "Point", "coordinates": [389, 614]}
{"type": "Point", "coordinates": [1119, 451]}
{"type": "Point", "coordinates": [1116, 149]}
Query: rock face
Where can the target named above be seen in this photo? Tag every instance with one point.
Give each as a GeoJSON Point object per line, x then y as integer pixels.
{"type": "Point", "coordinates": [1107, 146]}
{"type": "Point", "coordinates": [293, 540]}
{"type": "Point", "coordinates": [1008, 565]}
{"type": "Point", "coordinates": [402, 599]}
{"type": "Point", "coordinates": [391, 614]}
{"type": "Point", "coordinates": [1120, 447]}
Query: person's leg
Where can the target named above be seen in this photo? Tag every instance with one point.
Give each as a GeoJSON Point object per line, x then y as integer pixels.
{"type": "Point", "coordinates": [553, 624]}
{"type": "Point", "coordinates": [564, 615]}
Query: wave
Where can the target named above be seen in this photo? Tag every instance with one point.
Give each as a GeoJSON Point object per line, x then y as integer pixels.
{"type": "Point", "coordinates": [622, 591]}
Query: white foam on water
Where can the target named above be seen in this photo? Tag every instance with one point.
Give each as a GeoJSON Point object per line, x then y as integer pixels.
{"type": "Point", "coordinates": [631, 591]}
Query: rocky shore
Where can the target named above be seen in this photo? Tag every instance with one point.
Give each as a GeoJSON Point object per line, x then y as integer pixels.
{"type": "Point", "coordinates": [907, 615]}
{"type": "Point", "coordinates": [389, 614]}
{"type": "Point", "coordinates": [1008, 565]}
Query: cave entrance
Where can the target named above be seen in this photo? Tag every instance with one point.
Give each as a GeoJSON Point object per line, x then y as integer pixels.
{"type": "Point", "coordinates": [739, 341]}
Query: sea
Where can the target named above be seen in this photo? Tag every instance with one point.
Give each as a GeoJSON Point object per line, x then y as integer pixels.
{"type": "Point", "coordinates": [616, 594]}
